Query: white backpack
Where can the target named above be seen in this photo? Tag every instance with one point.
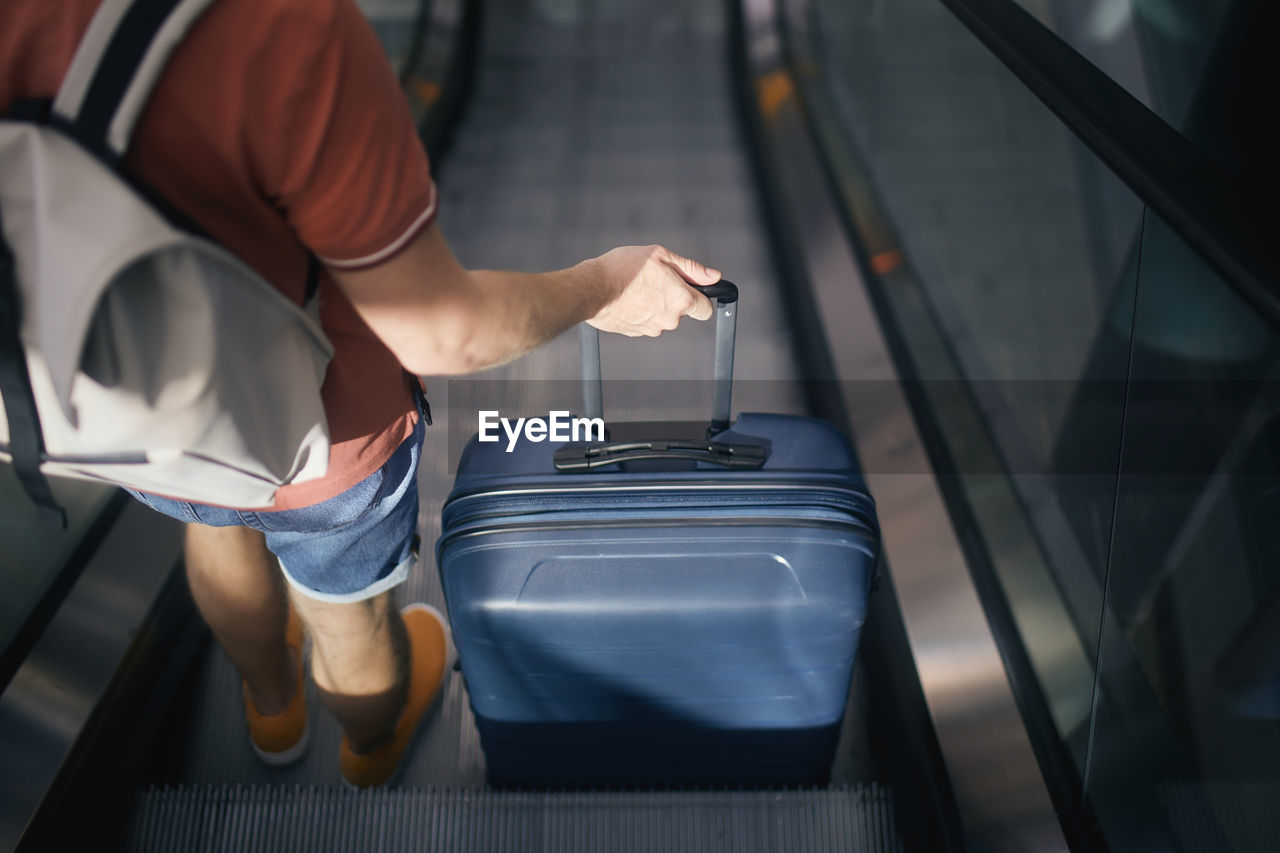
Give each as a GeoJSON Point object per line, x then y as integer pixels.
{"type": "Point", "coordinates": [133, 351]}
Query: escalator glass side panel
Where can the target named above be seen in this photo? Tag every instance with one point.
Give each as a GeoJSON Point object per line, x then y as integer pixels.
{"type": "Point", "coordinates": [1186, 748]}
{"type": "Point", "coordinates": [1005, 255]}
{"type": "Point", "coordinates": [1102, 401]}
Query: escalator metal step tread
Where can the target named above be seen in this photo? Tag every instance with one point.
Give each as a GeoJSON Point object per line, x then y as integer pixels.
{"type": "Point", "coordinates": [248, 818]}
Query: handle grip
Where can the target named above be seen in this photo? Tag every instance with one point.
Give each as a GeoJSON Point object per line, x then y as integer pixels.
{"type": "Point", "coordinates": [724, 292]}
{"type": "Point", "coordinates": [725, 295]}
{"type": "Point", "coordinates": [577, 458]}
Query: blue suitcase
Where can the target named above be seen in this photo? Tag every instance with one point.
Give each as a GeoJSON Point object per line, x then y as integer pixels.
{"type": "Point", "coordinates": [671, 610]}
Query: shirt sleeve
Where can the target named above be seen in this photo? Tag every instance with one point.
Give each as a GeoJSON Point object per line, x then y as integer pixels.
{"type": "Point", "coordinates": [342, 160]}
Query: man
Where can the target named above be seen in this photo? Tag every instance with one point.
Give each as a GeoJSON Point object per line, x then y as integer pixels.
{"type": "Point", "coordinates": [280, 130]}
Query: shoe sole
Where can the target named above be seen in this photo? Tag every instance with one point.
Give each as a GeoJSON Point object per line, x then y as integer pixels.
{"type": "Point", "coordinates": [428, 714]}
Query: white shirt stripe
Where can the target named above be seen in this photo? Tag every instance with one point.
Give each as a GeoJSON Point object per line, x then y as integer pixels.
{"type": "Point", "coordinates": [395, 246]}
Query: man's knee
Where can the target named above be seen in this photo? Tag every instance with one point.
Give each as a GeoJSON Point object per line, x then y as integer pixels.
{"type": "Point", "coordinates": [324, 619]}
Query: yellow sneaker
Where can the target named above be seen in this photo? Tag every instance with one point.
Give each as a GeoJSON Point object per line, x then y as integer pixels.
{"type": "Point", "coordinates": [428, 665]}
{"type": "Point", "coordinates": [282, 738]}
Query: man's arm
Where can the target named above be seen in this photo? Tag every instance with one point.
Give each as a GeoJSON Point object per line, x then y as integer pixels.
{"type": "Point", "coordinates": [441, 319]}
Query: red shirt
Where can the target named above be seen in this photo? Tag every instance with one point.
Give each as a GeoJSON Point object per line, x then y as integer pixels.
{"type": "Point", "coordinates": [279, 128]}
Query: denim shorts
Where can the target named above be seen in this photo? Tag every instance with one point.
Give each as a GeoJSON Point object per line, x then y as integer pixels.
{"type": "Point", "coordinates": [348, 548]}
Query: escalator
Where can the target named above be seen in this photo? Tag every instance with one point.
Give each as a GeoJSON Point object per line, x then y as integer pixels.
{"type": "Point", "coordinates": [950, 245]}
{"type": "Point", "coordinates": [586, 126]}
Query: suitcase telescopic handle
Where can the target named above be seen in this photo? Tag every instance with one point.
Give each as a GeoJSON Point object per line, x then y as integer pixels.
{"type": "Point", "coordinates": [725, 295]}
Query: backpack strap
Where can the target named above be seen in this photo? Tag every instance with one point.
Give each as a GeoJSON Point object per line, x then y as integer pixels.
{"type": "Point", "coordinates": [116, 66]}
{"type": "Point", "coordinates": [26, 443]}
{"type": "Point", "coordinates": [112, 74]}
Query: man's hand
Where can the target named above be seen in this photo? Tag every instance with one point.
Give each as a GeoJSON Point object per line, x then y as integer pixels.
{"type": "Point", "coordinates": [651, 291]}
{"type": "Point", "coordinates": [441, 319]}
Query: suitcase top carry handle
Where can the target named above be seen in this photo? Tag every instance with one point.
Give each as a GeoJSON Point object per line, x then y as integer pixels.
{"type": "Point", "coordinates": [725, 294]}
{"type": "Point", "coordinates": [735, 456]}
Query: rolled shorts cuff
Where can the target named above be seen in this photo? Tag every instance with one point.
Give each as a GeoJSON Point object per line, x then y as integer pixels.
{"type": "Point", "coordinates": [348, 548]}
{"type": "Point", "coordinates": [398, 575]}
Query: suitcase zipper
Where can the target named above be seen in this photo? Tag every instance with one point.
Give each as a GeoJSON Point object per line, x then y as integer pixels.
{"type": "Point", "coordinates": [566, 502]}
{"type": "Point", "coordinates": [510, 524]}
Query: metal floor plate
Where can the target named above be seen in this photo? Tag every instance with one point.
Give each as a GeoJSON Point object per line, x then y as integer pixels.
{"type": "Point", "coordinates": [244, 819]}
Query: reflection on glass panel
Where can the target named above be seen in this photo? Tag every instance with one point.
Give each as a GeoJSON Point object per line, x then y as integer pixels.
{"type": "Point", "coordinates": [1187, 748]}
{"type": "Point", "coordinates": [1015, 298]}
{"type": "Point", "coordinates": [395, 22]}
{"type": "Point", "coordinates": [32, 553]}
{"type": "Point", "coordinates": [1205, 68]}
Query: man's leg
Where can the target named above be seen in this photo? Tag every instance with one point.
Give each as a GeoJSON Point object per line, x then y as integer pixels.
{"type": "Point", "coordinates": [359, 650]}
{"type": "Point", "coordinates": [238, 588]}
{"type": "Point", "coordinates": [360, 663]}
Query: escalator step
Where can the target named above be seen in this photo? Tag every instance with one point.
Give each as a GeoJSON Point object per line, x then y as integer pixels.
{"type": "Point", "coordinates": [248, 818]}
